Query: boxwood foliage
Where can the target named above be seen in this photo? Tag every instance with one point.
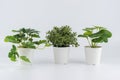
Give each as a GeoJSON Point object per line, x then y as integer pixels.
{"type": "Point", "coordinates": [62, 37]}
{"type": "Point", "coordinates": [95, 35]}
{"type": "Point", "coordinates": [24, 38]}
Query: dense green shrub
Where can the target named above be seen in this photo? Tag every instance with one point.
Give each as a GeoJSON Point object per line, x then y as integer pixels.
{"type": "Point", "coordinates": [62, 37]}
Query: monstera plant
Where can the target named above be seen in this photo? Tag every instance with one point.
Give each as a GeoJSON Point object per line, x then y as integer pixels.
{"type": "Point", "coordinates": [95, 35]}
{"type": "Point", "coordinates": [24, 40]}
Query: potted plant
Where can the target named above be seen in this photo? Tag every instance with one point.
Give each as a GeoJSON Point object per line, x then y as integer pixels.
{"type": "Point", "coordinates": [95, 35]}
{"type": "Point", "coordinates": [25, 41]}
{"type": "Point", "coordinates": [62, 38]}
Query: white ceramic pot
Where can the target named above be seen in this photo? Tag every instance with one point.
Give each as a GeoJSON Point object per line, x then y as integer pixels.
{"type": "Point", "coordinates": [26, 52]}
{"type": "Point", "coordinates": [93, 55]}
{"type": "Point", "coordinates": [61, 55]}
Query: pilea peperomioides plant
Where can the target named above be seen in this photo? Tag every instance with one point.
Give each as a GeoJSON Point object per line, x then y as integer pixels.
{"type": "Point", "coordinates": [24, 38]}
{"type": "Point", "coordinates": [95, 35]}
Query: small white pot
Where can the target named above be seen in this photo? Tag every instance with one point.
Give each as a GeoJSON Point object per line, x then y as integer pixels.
{"type": "Point", "coordinates": [26, 52]}
{"type": "Point", "coordinates": [61, 55]}
{"type": "Point", "coordinates": [93, 55]}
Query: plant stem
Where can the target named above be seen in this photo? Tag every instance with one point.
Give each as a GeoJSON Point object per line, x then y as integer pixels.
{"type": "Point", "coordinates": [89, 41]}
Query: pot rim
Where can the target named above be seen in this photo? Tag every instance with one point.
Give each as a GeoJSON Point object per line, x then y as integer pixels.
{"type": "Point", "coordinates": [61, 47]}
{"type": "Point", "coordinates": [93, 47]}
{"type": "Point", "coordinates": [25, 48]}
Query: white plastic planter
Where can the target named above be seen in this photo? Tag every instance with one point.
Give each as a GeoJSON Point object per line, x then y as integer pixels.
{"type": "Point", "coordinates": [93, 55]}
{"type": "Point", "coordinates": [61, 55]}
{"type": "Point", "coordinates": [26, 52]}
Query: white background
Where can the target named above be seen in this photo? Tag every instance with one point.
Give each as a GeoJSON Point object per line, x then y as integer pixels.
{"type": "Point", "coordinates": [43, 15]}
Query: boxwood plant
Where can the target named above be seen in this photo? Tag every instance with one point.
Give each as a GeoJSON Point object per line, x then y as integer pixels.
{"type": "Point", "coordinates": [96, 35]}
{"type": "Point", "coordinates": [62, 37]}
{"type": "Point", "coordinates": [23, 38]}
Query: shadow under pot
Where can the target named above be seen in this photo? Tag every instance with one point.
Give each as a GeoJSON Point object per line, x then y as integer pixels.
{"type": "Point", "coordinates": [93, 55]}
{"type": "Point", "coordinates": [61, 55]}
{"type": "Point", "coordinates": [28, 52]}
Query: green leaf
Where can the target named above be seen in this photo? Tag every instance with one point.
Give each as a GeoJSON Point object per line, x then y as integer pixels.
{"type": "Point", "coordinates": [10, 54]}
{"type": "Point", "coordinates": [107, 33]}
{"type": "Point", "coordinates": [88, 33]}
{"type": "Point", "coordinates": [48, 44]}
{"type": "Point", "coordinates": [105, 39]}
{"type": "Point", "coordinates": [102, 35]}
{"type": "Point", "coordinates": [11, 39]}
{"type": "Point", "coordinates": [24, 58]}
{"type": "Point", "coordinates": [40, 42]}
{"type": "Point", "coordinates": [35, 35]}
{"type": "Point", "coordinates": [97, 34]}
{"type": "Point", "coordinates": [13, 58]}
{"type": "Point", "coordinates": [97, 40]}
{"type": "Point", "coordinates": [28, 45]}
{"type": "Point", "coordinates": [30, 39]}
{"type": "Point", "coordinates": [82, 36]}
{"type": "Point", "coordinates": [13, 54]}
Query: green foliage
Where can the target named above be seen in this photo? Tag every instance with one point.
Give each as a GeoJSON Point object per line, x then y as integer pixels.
{"type": "Point", "coordinates": [13, 54]}
{"type": "Point", "coordinates": [25, 38]}
{"type": "Point", "coordinates": [62, 37]}
{"type": "Point", "coordinates": [24, 58]}
{"type": "Point", "coordinates": [11, 39]}
{"type": "Point", "coordinates": [95, 35]}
